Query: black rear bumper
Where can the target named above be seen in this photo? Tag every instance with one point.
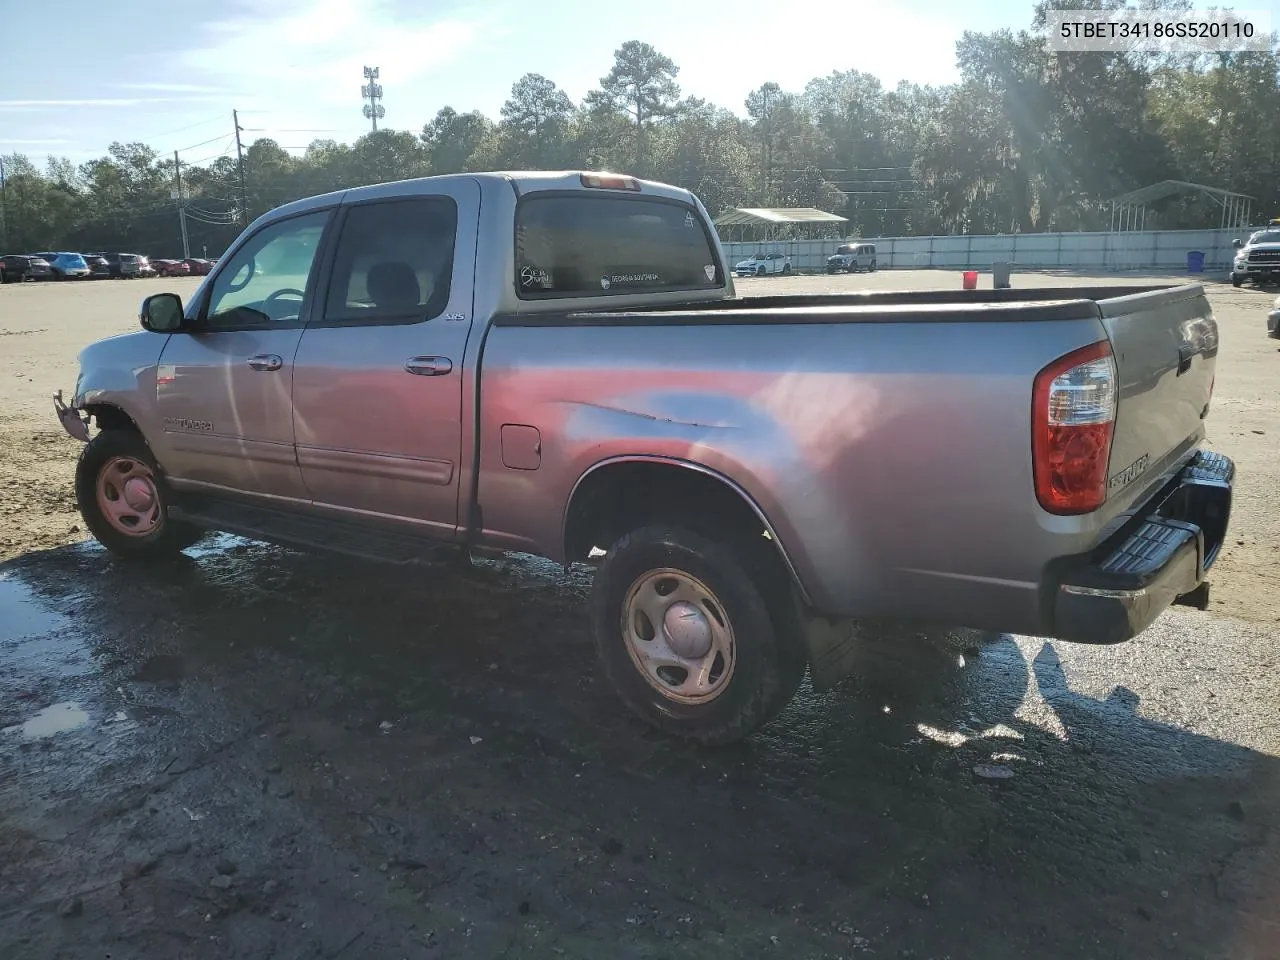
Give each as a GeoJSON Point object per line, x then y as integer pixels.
{"type": "Point", "coordinates": [1157, 559]}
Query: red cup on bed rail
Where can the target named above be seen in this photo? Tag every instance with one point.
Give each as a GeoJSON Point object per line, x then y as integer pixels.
{"type": "Point", "coordinates": [971, 279]}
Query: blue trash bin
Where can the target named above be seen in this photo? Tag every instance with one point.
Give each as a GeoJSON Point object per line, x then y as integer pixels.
{"type": "Point", "coordinates": [1195, 261]}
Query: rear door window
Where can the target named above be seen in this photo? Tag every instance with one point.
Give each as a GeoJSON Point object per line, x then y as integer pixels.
{"type": "Point", "coordinates": [584, 245]}
{"type": "Point", "coordinates": [394, 262]}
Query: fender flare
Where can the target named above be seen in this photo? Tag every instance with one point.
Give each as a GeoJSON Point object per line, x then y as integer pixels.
{"type": "Point", "coordinates": [690, 465]}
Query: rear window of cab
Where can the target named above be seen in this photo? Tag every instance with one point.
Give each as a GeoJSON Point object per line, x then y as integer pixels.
{"type": "Point", "coordinates": [587, 245]}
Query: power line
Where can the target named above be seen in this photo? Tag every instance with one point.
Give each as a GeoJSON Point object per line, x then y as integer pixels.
{"type": "Point", "coordinates": [203, 143]}
{"type": "Point", "coordinates": [212, 156]}
{"type": "Point", "coordinates": [201, 123]}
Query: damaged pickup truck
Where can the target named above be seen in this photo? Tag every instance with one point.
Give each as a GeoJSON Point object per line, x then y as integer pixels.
{"type": "Point", "coordinates": [556, 364]}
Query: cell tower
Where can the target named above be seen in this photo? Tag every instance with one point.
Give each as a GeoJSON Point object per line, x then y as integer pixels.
{"type": "Point", "coordinates": [372, 91]}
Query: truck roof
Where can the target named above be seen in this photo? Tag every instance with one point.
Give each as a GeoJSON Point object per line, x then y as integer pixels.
{"type": "Point", "coordinates": [521, 181]}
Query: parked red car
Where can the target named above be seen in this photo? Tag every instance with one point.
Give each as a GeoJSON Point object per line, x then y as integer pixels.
{"type": "Point", "coordinates": [199, 268]}
{"type": "Point", "coordinates": [171, 268]}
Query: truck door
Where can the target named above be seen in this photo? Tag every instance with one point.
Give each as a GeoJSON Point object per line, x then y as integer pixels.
{"type": "Point", "coordinates": [377, 389]}
{"type": "Point", "coordinates": [223, 388]}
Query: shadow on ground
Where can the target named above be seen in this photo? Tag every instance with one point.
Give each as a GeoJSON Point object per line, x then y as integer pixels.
{"type": "Point", "coordinates": [257, 753]}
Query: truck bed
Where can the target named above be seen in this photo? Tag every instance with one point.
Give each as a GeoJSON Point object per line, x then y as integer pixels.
{"type": "Point", "coordinates": [887, 436]}
{"type": "Point", "coordinates": [870, 306]}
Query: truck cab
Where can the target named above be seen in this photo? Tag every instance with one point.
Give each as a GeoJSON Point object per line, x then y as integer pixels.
{"type": "Point", "coordinates": [1258, 259]}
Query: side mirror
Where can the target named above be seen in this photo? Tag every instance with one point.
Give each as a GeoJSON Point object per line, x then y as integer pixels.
{"type": "Point", "coordinates": [1237, 243]}
{"type": "Point", "coordinates": [161, 313]}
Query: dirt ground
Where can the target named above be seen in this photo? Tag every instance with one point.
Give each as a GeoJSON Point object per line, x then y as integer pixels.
{"type": "Point", "coordinates": [256, 753]}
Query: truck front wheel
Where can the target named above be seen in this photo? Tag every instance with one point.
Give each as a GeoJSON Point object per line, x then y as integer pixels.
{"type": "Point", "coordinates": [123, 500]}
{"type": "Point", "coordinates": [684, 633]}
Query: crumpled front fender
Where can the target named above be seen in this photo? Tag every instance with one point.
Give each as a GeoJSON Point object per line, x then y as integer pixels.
{"type": "Point", "coordinates": [76, 425]}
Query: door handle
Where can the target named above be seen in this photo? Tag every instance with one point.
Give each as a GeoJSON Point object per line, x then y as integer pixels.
{"type": "Point", "coordinates": [266, 361]}
{"type": "Point", "coordinates": [428, 366]}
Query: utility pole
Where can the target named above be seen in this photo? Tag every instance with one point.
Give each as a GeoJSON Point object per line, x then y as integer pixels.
{"type": "Point", "coordinates": [764, 143]}
{"type": "Point", "coordinates": [372, 91]}
{"type": "Point", "coordinates": [244, 196]}
{"type": "Point", "coordinates": [4, 208]}
{"type": "Point", "coordinates": [180, 196]}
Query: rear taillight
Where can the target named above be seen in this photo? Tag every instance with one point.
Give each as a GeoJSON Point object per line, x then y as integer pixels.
{"type": "Point", "coordinates": [1073, 419]}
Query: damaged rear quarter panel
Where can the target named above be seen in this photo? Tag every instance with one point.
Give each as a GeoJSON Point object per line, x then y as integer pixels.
{"type": "Point", "coordinates": [892, 460]}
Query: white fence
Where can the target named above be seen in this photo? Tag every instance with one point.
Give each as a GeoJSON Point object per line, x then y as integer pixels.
{"type": "Point", "coordinates": [1136, 250]}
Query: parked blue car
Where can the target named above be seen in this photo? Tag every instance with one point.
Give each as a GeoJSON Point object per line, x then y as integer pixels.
{"type": "Point", "coordinates": [67, 266]}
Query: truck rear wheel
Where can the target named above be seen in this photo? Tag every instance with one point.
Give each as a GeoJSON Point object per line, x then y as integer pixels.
{"type": "Point", "coordinates": [684, 632]}
{"type": "Point", "coordinates": [123, 500]}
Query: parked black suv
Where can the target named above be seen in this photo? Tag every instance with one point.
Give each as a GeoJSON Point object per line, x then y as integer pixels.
{"type": "Point", "coordinates": [123, 265]}
{"type": "Point", "coordinates": [23, 266]}
{"type": "Point", "coordinates": [99, 269]}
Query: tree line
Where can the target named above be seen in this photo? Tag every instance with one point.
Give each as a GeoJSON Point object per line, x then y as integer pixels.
{"type": "Point", "coordinates": [1026, 141]}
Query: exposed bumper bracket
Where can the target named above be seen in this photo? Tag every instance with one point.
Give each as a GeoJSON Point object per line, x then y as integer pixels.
{"type": "Point", "coordinates": [75, 425]}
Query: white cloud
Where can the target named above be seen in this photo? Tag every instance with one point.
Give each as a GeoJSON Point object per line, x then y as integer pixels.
{"type": "Point", "coordinates": [33, 143]}
{"type": "Point", "coordinates": [27, 105]}
{"type": "Point", "coordinates": [310, 53]}
{"type": "Point", "coordinates": [173, 87]}
{"type": "Point", "coordinates": [887, 41]}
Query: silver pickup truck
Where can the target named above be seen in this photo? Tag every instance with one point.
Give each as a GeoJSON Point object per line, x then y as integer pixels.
{"type": "Point", "coordinates": [556, 364]}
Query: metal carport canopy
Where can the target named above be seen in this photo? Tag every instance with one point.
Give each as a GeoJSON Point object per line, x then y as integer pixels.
{"type": "Point", "coordinates": [775, 216]}
{"type": "Point", "coordinates": [1128, 211]}
{"type": "Point", "coordinates": [765, 219]}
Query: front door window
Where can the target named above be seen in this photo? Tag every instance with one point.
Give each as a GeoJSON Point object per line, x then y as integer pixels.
{"type": "Point", "coordinates": [265, 282]}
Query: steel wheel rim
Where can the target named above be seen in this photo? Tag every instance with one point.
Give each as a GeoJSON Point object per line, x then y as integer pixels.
{"type": "Point", "coordinates": [128, 497]}
{"type": "Point", "coordinates": [668, 617]}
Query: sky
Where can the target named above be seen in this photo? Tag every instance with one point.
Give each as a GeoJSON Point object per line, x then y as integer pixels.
{"type": "Point", "coordinates": [293, 68]}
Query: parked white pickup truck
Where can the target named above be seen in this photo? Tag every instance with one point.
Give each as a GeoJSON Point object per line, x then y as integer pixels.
{"type": "Point", "coordinates": [556, 363]}
{"type": "Point", "coordinates": [763, 264]}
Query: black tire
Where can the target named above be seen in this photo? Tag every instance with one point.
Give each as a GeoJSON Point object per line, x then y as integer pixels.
{"type": "Point", "coordinates": [1235, 282]}
{"type": "Point", "coordinates": [168, 537]}
{"type": "Point", "coordinates": [763, 679]}
{"type": "Point", "coordinates": [872, 268]}
{"type": "Point", "coordinates": [786, 269]}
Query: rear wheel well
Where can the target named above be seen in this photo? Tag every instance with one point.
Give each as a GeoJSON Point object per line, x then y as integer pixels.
{"type": "Point", "coordinates": [621, 497]}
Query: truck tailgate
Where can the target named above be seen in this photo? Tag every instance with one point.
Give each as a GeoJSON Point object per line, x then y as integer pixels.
{"type": "Point", "coordinates": [1165, 345]}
